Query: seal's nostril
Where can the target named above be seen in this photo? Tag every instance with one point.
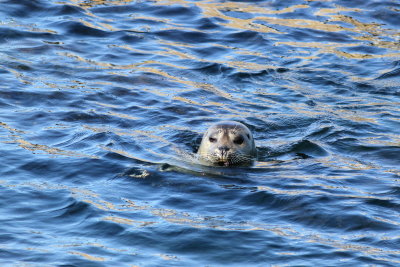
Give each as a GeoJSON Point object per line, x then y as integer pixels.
{"type": "Point", "coordinates": [223, 148]}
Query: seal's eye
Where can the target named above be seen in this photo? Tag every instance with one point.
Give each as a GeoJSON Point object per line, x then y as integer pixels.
{"type": "Point", "coordinates": [212, 139]}
{"type": "Point", "coordinates": [238, 140]}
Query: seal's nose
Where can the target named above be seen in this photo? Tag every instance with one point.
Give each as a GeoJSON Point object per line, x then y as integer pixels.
{"type": "Point", "coordinates": [223, 150]}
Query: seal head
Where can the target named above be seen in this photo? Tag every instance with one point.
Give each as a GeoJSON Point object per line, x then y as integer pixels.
{"type": "Point", "coordinates": [228, 143]}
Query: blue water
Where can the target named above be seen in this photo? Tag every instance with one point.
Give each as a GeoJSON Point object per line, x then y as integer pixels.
{"type": "Point", "coordinates": [97, 96]}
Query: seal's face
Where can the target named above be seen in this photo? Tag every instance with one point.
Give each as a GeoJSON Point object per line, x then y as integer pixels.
{"type": "Point", "coordinates": [228, 143]}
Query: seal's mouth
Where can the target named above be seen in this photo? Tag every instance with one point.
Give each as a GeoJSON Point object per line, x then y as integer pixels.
{"type": "Point", "coordinates": [223, 163]}
{"type": "Point", "coordinates": [221, 160]}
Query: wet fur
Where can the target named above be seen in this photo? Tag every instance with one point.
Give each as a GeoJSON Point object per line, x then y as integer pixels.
{"type": "Point", "coordinates": [224, 133]}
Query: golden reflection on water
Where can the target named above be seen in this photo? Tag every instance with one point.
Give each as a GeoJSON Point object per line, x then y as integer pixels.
{"type": "Point", "coordinates": [15, 137]}
{"type": "Point", "coordinates": [371, 32]}
{"type": "Point", "coordinates": [88, 256]}
{"type": "Point", "coordinates": [324, 191]}
{"type": "Point", "coordinates": [160, 215]}
{"type": "Point", "coordinates": [50, 150]}
{"type": "Point", "coordinates": [93, 3]}
{"type": "Point", "coordinates": [333, 48]}
{"type": "Point", "coordinates": [263, 21]}
{"type": "Point", "coordinates": [262, 14]}
{"type": "Point", "coordinates": [137, 134]}
{"type": "Point", "coordinates": [126, 221]}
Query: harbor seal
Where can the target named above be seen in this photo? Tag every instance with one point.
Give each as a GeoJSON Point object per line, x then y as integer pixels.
{"type": "Point", "coordinates": [227, 143]}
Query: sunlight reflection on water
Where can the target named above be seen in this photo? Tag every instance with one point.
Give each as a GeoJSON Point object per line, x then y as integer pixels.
{"type": "Point", "coordinates": [97, 95]}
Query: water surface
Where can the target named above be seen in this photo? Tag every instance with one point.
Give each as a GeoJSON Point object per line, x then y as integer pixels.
{"type": "Point", "coordinates": [97, 96]}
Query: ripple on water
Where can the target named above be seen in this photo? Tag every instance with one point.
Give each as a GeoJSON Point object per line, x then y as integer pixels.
{"type": "Point", "coordinates": [103, 102]}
